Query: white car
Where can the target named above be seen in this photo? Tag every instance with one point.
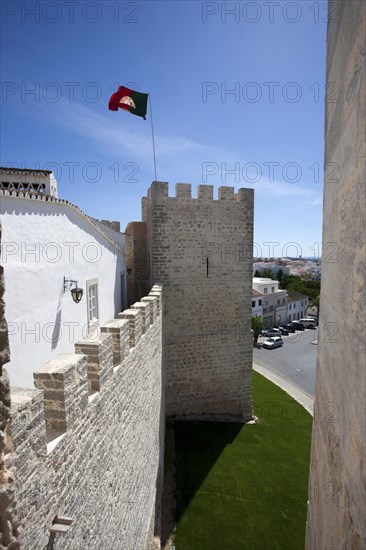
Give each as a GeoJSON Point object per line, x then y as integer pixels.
{"type": "Point", "coordinates": [308, 322]}
{"type": "Point", "coordinates": [271, 343]}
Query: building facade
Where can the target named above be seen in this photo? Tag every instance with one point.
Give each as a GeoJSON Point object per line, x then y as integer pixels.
{"type": "Point", "coordinates": [257, 304]}
{"type": "Point", "coordinates": [46, 241]}
{"type": "Point", "coordinates": [297, 305]}
{"type": "Point", "coordinates": [27, 180]}
{"type": "Point", "coordinates": [274, 301]}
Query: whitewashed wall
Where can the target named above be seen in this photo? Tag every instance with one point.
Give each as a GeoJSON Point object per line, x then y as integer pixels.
{"type": "Point", "coordinates": [43, 242]}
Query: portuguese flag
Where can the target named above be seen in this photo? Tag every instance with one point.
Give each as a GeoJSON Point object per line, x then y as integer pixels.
{"type": "Point", "coordinates": [129, 100]}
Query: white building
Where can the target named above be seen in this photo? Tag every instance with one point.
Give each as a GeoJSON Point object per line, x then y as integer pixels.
{"type": "Point", "coordinates": [297, 305]}
{"type": "Point", "coordinates": [27, 180]}
{"type": "Point", "coordinates": [274, 301]}
{"type": "Point", "coordinates": [46, 240]}
{"type": "Point", "coordinates": [257, 307]}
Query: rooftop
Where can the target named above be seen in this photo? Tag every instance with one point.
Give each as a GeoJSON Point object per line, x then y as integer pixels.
{"type": "Point", "coordinates": [294, 295]}
{"type": "Point", "coordinates": [10, 170]}
{"type": "Point", "coordinates": [256, 293]}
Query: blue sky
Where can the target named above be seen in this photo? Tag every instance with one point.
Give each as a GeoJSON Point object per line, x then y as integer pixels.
{"type": "Point", "coordinates": [61, 62]}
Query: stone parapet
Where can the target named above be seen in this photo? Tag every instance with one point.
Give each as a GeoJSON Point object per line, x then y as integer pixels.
{"type": "Point", "coordinates": [99, 357]}
{"type": "Point", "coordinates": [64, 384]}
{"type": "Point", "coordinates": [119, 329]}
{"type": "Point", "coordinates": [152, 300]}
{"type": "Point", "coordinates": [133, 316]}
{"type": "Point", "coordinates": [84, 444]}
{"type": "Point", "coordinates": [143, 307]}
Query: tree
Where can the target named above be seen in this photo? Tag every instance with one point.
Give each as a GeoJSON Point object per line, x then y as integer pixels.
{"type": "Point", "coordinates": [315, 302]}
{"type": "Point", "coordinates": [257, 273]}
{"type": "Point", "coordinates": [268, 273]}
{"type": "Point", "coordinates": [279, 275]}
{"type": "Point", "coordinates": [257, 325]}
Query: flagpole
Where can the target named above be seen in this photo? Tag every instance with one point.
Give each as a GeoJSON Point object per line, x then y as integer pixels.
{"type": "Point", "coordinates": [153, 138]}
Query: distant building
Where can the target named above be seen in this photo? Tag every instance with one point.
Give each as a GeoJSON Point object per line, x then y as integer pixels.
{"type": "Point", "coordinates": [297, 305]}
{"type": "Point", "coordinates": [274, 301]}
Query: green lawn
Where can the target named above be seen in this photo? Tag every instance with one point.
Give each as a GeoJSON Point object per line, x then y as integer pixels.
{"type": "Point", "coordinates": [245, 486]}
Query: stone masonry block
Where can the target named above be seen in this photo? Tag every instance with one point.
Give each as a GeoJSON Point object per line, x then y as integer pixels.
{"type": "Point", "coordinates": [157, 295]}
{"type": "Point", "coordinates": [63, 404]}
{"type": "Point", "coordinates": [153, 311]}
{"type": "Point", "coordinates": [134, 318]}
{"type": "Point", "coordinates": [183, 190]}
{"type": "Point", "coordinates": [205, 192]}
{"type": "Point", "coordinates": [247, 197]}
{"type": "Point", "coordinates": [99, 357]}
{"type": "Point", "coordinates": [144, 307]}
{"type": "Point", "coordinates": [159, 190]}
{"type": "Point", "coordinates": [226, 193]}
{"type": "Point", "coordinates": [119, 329]}
{"type": "Point", "coordinates": [27, 419]}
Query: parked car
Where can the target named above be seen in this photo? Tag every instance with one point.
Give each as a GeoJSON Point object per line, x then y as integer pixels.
{"type": "Point", "coordinates": [308, 322]}
{"type": "Point", "coordinates": [298, 325]}
{"type": "Point", "coordinates": [290, 327]}
{"type": "Point", "coordinates": [271, 343]}
{"type": "Point", "coordinates": [271, 332]}
{"type": "Point", "coordinates": [284, 331]}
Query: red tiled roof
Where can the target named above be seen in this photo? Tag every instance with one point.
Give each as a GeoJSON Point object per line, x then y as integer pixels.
{"type": "Point", "coordinates": [256, 293]}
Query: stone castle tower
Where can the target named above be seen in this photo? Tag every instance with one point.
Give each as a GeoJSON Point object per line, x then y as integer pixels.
{"type": "Point", "coordinates": [200, 249]}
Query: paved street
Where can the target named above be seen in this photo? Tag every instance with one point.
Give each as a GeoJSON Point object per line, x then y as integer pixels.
{"type": "Point", "coordinates": [295, 361]}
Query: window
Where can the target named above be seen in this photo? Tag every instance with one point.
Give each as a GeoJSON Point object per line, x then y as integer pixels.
{"type": "Point", "coordinates": [272, 289]}
{"type": "Point", "coordinates": [290, 306]}
{"type": "Point", "coordinates": [265, 290]}
{"type": "Point", "coordinates": [283, 300]}
{"type": "Point", "coordinates": [259, 302]}
{"type": "Point", "coordinates": [253, 303]}
{"type": "Point", "coordinates": [278, 302]}
{"type": "Point", "coordinates": [92, 303]}
{"type": "Point", "coordinates": [123, 294]}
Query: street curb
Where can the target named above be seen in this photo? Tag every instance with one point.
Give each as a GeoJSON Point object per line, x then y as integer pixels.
{"type": "Point", "coordinates": [299, 395]}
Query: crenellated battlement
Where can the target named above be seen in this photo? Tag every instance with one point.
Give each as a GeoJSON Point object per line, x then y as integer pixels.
{"type": "Point", "coordinates": [71, 378]}
{"type": "Point", "coordinates": [159, 191]}
{"type": "Point", "coordinates": [78, 428]}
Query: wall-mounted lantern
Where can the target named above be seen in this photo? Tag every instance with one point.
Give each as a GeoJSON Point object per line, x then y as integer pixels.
{"type": "Point", "coordinates": [76, 293]}
{"type": "Point", "coordinates": [129, 270]}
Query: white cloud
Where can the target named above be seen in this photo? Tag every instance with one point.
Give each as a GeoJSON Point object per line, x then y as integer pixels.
{"type": "Point", "coordinates": [114, 136]}
{"type": "Point", "coordinates": [178, 158]}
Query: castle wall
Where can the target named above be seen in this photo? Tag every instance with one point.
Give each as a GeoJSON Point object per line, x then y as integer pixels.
{"type": "Point", "coordinates": [88, 442]}
{"type": "Point", "coordinates": [8, 513]}
{"type": "Point", "coordinates": [201, 251]}
{"type": "Point", "coordinates": [337, 487]}
{"type": "Point", "coordinates": [136, 261]}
